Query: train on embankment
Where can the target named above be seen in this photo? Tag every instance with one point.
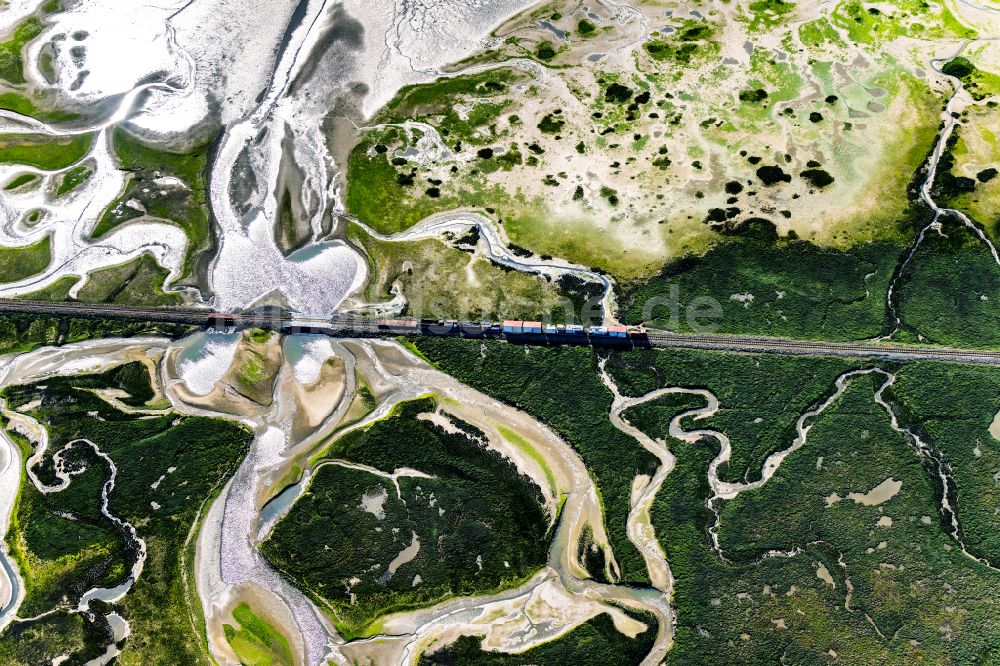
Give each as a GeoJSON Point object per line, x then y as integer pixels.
{"type": "Point", "coordinates": [517, 330]}
{"type": "Point", "coordinates": [514, 330]}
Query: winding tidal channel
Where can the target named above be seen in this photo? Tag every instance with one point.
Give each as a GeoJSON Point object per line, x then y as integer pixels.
{"type": "Point", "coordinates": [957, 102]}
{"type": "Point", "coordinates": [34, 366]}
{"type": "Point", "coordinates": [229, 568]}
{"type": "Point", "coordinates": [316, 55]}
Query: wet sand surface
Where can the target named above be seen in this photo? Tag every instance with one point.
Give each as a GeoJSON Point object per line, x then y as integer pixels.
{"type": "Point", "coordinates": [560, 596]}
{"type": "Point", "coordinates": [553, 602]}
{"type": "Point", "coordinates": [79, 358]}
{"type": "Point", "coordinates": [164, 71]}
{"type": "Point", "coordinates": [496, 243]}
{"type": "Point", "coordinates": [303, 402]}
{"type": "Point", "coordinates": [229, 568]}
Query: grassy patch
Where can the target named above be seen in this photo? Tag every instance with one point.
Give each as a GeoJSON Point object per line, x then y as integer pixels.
{"type": "Point", "coordinates": [392, 198]}
{"type": "Point", "coordinates": [17, 263]}
{"type": "Point", "coordinates": [571, 237]}
{"type": "Point", "coordinates": [909, 18]}
{"type": "Point", "coordinates": [954, 407]}
{"type": "Point", "coordinates": [900, 585]}
{"type": "Point", "coordinates": [441, 281]}
{"type": "Point", "coordinates": [461, 520]}
{"type": "Point", "coordinates": [429, 98]}
{"type": "Point", "coordinates": [168, 466]}
{"type": "Point", "coordinates": [761, 609]}
{"type": "Point", "coordinates": [773, 389]}
{"type": "Point", "coordinates": [73, 178]}
{"type": "Point", "coordinates": [376, 197]}
{"type": "Point", "coordinates": [64, 544]}
{"type": "Point", "coordinates": [137, 282]}
{"type": "Point", "coordinates": [769, 13]}
{"type": "Point", "coordinates": [525, 447]}
{"type": "Point", "coordinates": [20, 181]}
{"type": "Point", "coordinates": [690, 43]}
{"type": "Point", "coordinates": [11, 61]}
{"type": "Point", "coordinates": [793, 289]}
{"type": "Point", "coordinates": [44, 152]}
{"type": "Point", "coordinates": [252, 372]}
{"type": "Point", "coordinates": [34, 106]}
{"type": "Point", "coordinates": [559, 387]}
{"type": "Point", "coordinates": [258, 370]}
{"type": "Point", "coordinates": [819, 31]}
{"type": "Point", "coordinates": [185, 205]}
{"type": "Point", "coordinates": [972, 150]}
{"type": "Point", "coordinates": [256, 642]}
{"type": "Point", "coordinates": [43, 640]}
{"type": "Point", "coordinates": [950, 293]}
{"type": "Point", "coordinates": [260, 336]}
{"type": "Point", "coordinates": [20, 333]}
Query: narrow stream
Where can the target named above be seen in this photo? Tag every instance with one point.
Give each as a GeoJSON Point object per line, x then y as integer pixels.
{"type": "Point", "coordinates": [641, 531]}
{"type": "Point", "coordinates": [135, 544]}
{"type": "Point", "coordinates": [25, 368]}
{"type": "Point", "coordinates": [406, 635]}
{"type": "Point", "coordinates": [949, 119]}
{"type": "Point", "coordinates": [71, 219]}
{"type": "Point", "coordinates": [497, 250]}
{"type": "Point", "coordinates": [243, 183]}
{"type": "Point", "coordinates": [725, 490]}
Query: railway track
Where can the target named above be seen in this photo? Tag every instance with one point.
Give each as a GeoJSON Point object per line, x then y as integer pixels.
{"type": "Point", "coordinates": [738, 343]}
{"type": "Point", "coordinates": [354, 326]}
{"type": "Point", "coordinates": [134, 313]}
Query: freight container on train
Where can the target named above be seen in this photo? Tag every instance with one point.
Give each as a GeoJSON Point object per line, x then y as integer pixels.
{"type": "Point", "coordinates": [617, 331]}
{"type": "Point", "coordinates": [513, 326]}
